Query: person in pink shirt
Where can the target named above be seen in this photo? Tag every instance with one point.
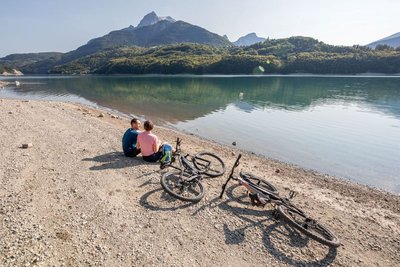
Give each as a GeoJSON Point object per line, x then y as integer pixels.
{"type": "Point", "coordinates": [149, 143]}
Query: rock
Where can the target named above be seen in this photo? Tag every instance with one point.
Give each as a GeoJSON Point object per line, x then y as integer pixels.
{"type": "Point", "coordinates": [29, 145]}
{"type": "Point", "coordinates": [234, 143]}
{"type": "Point", "coordinates": [277, 171]}
{"type": "Point", "coordinates": [233, 153]}
{"type": "Point", "coordinates": [10, 112]}
{"type": "Point", "coordinates": [101, 115]}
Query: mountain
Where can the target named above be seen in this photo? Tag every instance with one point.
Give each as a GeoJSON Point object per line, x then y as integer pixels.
{"type": "Point", "coordinates": [151, 31]}
{"type": "Point", "coordinates": [392, 40]}
{"type": "Point", "coordinates": [152, 18]}
{"type": "Point", "coordinates": [18, 60]}
{"type": "Point", "coordinates": [249, 39]}
{"type": "Point", "coordinates": [31, 62]}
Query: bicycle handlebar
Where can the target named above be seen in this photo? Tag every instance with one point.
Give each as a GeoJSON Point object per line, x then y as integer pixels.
{"type": "Point", "coordinates": [230, 175]}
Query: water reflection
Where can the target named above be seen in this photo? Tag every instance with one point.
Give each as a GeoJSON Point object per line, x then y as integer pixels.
{"type": "Point", "coordinates": [185, 98]}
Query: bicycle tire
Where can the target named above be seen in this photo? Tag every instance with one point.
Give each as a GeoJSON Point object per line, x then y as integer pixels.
{"type": "Point", "coordinates": [259, 182]}
{"type": "Point", "coordinates": [318, 232]}
{"type": "Point", "coordinates": [217, 167]}
{"type": "Point", "coordinates": [176, 180]}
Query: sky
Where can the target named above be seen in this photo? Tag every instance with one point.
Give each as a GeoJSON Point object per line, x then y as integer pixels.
{"type": "Point", "coordinates": [62, 26]}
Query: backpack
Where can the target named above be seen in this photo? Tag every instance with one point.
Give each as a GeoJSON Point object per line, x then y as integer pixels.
{"type": "Point", "coordinates": [166, 156]}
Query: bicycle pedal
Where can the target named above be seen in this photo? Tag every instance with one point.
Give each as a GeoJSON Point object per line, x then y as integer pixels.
{"type": "Point", "coordinates": [257, 201]}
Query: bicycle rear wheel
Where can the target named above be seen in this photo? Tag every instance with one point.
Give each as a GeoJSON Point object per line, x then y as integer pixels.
{"type": "Point", "coordinates": [209, 164]}
{"type": "Point", "coordinates": [181, 186]}
{"type": "Point", "coordinates": [259, 182]}
{"type": "Point", "coordinates": [308, 226]}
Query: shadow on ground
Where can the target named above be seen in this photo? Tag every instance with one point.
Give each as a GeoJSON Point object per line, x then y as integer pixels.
{"type": "Point", "coordinates": [115, 160]}
{"type": "Point", "coordinates": [161, 201]}
{"type": "Point", "coordinates": [278, 238]}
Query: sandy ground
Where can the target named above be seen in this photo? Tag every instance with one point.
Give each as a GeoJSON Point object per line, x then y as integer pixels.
{"type": "Point", "coordinates": [73, 199]}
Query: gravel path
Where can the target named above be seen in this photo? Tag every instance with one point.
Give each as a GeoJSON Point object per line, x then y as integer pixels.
{"type": "Point", "coordinates": [74, 200]}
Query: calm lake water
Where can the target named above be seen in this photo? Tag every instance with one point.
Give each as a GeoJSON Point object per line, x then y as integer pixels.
{"type": "Point", "coordinates": [345, 126]}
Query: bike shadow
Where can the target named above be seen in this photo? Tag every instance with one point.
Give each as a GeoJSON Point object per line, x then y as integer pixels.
{"type": "Point", "coordinates": [273, 235]}
{"type": "Point", "coordinates": [115, 160]}
{"type": "Point", "coordinates": [159, 198]}
{"type": "Point", "coordinates": [296, 241]}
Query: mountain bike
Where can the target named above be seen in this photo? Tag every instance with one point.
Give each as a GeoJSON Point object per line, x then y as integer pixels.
{"type": "Point", "coordinates": [262, 192]}
{"type": "Point", "coordinates": [185, 183]}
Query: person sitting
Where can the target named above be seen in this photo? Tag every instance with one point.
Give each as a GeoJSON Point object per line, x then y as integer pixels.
{"type": "Point", "coordinates": [129, 139]}
{"type": "Point", "coordinates": [149, 143]}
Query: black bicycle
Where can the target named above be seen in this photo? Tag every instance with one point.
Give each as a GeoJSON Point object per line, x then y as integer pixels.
{"type": "Point", "coordinates": [262, 192]}
{"type": "Point", "coordinates": [185, 183]}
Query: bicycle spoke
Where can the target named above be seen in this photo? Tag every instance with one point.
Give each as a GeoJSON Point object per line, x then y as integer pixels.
{"type": "Point", "coordinates": [182, 186]}
{"type": "Point", "coordinates": [310, 227]}
{"type": "Point", "coordinates": [209, 164]}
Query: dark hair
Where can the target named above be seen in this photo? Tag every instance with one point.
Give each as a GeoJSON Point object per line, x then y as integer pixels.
{"type": "Point", "coordinates": [134, 120]}
{"type": "Point", "coordinates": [148, 125]}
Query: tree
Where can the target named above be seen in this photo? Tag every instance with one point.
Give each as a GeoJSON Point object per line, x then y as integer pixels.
{"type": "Point", "coordinates": [382, 47]}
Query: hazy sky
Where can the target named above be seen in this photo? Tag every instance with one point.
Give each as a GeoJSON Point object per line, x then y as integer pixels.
{"type": "Point", "coordinates": [61, 25]}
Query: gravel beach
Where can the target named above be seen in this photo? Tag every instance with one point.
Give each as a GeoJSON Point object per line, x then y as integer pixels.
{"type": "Point", "coordinates": [73, 199]}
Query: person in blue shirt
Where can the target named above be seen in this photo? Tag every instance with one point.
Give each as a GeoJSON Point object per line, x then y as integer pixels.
{"type": "Point", "coordinates": [129, 139]}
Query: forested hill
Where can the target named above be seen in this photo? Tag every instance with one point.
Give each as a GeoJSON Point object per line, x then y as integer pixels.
{"type": "Point", "coordinates": [289, 55]}
{"type": "Point", "coordinates": [161, 32]}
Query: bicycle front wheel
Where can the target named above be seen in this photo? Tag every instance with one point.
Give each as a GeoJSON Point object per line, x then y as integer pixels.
{"type": "Point", "coordinates": [209, 164]}
{"type": "Point", "coordinates": [308, 226]}
{"type": "Point", "coordinates": [181, 186]}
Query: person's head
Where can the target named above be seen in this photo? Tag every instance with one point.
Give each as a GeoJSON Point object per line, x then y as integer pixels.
{"type": "Point", "coordinates": [135, 124]}
{"type": "Point", "coordinates": [148, 125]}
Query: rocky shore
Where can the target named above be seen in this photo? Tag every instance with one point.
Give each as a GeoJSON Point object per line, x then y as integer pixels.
{"type": "Point", "coordinates": [73, 199]}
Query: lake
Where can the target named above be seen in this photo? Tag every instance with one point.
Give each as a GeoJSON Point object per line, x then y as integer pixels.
{"type": "Point", "coordinates": [348, 126]}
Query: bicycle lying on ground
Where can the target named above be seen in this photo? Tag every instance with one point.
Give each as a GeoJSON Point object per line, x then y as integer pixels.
{"type": "Point", "coordinates": [185, 183]}
{"type": "Point", "coordinates": [262, 192]}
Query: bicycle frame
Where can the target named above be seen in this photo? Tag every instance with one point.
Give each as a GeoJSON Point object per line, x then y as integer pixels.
{"type": "Point", "coordinates": [262, 193]}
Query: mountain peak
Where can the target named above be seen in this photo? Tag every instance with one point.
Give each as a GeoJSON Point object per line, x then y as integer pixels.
{"type": "Point", "coordinates": [252, 34]}
{"type": "Point", "coordinates": [152, 18]}
{"type": "Point", "coordinates": [392, 40]}
{"type": "Point", "coordinates": [249, 39]}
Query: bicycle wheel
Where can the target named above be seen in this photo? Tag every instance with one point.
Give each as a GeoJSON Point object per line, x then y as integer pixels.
{"type": "Point", "coordinates": [180, 186]}
{"type": "Point", "coordinates": [308, 226]}
{"type": "Point", "coordinates": [209, 164]}
{"type": "Point", "coordinates": [259, 182]}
